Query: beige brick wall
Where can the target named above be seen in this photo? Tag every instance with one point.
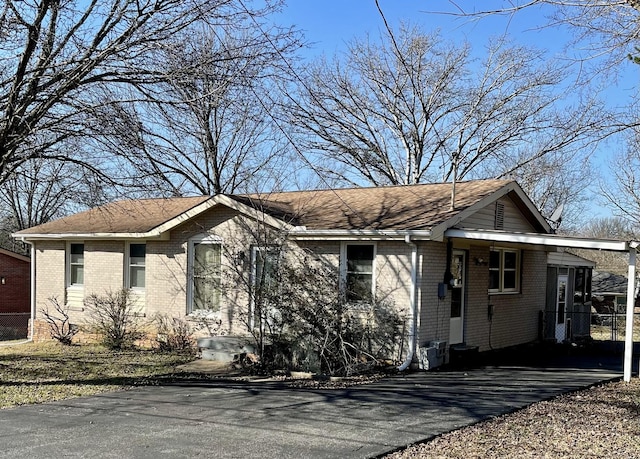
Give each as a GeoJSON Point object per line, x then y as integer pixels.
{"type": "Point", "coordinates": [515, 316]}
{"type": "Point", "coordinates": [49, 272]}
{"type": "Point", "coordinates": [434, 313]}
{"type": "Point", "coordinates": [103, 266]}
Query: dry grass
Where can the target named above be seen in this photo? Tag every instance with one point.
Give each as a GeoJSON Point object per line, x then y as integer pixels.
{"type": "Point", "coordinates": [599, 422]}
{"type": "Point", "coordinates": [37, 373]}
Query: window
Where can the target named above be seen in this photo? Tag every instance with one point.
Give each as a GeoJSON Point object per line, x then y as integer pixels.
{"type": "Point", "coordinates": [136, 265]}
{"type": "Point", "coordinates": [265, 284]}
{"type": "Point", "coordinates": [359, 272]}
{"type": "Point", "coordinates": [504, 270]}
{"type": "Point", "coordinates": [205, 286]}
{"type": "Point", "coordinates": [582, 286]}
{"type": "Point", "coordinates": [76, 264]}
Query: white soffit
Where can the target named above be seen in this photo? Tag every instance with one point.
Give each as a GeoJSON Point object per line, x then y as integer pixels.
{"type": "Point", "coordinates": [553, 240]}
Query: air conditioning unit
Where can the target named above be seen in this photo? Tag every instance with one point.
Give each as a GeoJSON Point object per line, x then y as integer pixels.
{"type": "Point", "coordinates": [433, 355]}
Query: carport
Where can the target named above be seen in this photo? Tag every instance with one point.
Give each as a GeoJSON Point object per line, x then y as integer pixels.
{"type": "Point", "coordinates": [559, 241]}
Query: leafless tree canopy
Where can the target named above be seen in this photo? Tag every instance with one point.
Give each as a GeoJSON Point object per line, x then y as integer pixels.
{"type": "Point", "coordinates": [202, 129]}
{"type": "Point", "coordinates": [412, 108]}
{"type": "Point", "coordinates": [604, 28]}
{"type": "Point", "coordinates": [53, 52]}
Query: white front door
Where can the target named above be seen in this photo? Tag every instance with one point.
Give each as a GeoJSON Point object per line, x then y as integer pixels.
{"type": "Point", "coordinates": [456, 323]}
{"type": "Point", "coordinates": [561, 308]}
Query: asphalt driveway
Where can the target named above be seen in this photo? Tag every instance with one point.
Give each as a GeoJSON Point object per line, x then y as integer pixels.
{"type": "Point", "coordinates": [225, 419]}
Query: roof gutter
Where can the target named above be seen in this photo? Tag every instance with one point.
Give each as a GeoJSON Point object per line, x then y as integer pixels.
{"type": "Point", "coordinates": [413, 309]}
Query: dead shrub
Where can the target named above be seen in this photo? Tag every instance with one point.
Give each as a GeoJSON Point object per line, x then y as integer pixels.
{"type": "Point", "coordinates": [60, 327]}
{"type": "Point", "coordinates": [174, 334]}
{"type": "Point", "coordinates": [113, 317]}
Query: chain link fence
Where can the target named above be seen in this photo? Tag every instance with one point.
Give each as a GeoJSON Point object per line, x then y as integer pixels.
{"type": "Point", "coordinates": [612, 327]}
{"type": "Point", "coordinates": [14, 325]}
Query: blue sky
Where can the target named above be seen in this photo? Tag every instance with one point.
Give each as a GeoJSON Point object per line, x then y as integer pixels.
{"type": "Point", "coordinates": [329, 24]}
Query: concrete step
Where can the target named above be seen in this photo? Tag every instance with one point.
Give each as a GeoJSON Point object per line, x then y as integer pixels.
{"type": "Point", "coordinates": [224, 348]}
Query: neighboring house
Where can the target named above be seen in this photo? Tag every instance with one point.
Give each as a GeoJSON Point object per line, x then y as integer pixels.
{"type": "Point", "coordinates": [15, 303]}
{"type": "Point", "coordinates": [472, 273]}
{"type": "Point", "coordinates": [569, 297]}
{"type": "Point", "coordinates": [610, 292]}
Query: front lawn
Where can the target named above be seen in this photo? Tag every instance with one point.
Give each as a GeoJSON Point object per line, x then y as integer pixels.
{"type": "Point", "coordinates": [44, 372]}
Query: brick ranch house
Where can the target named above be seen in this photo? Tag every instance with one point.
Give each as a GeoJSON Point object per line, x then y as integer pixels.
{"type": "Point", "coordinates": [468, 263]}
{"type": "Point", "coordinates": [15, 303]}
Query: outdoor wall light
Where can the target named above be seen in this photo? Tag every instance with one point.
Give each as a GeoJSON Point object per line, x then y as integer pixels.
{"type": "Point", "coordinates": [3, 280]}
{"type": "Point", "coordinates": [481, 262]}
{"type": "Point", "coordinates": [239, 258]}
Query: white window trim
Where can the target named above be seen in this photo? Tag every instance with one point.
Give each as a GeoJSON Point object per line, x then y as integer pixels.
{"type": "Point", "coordinates": [501, 290]}
{"type": "Point", "coordinates": [343, 266]}
{"type": "Point", "coordinates": [68, 265]}
{"type": "Point", "coordinates": [127, 266]}
{"type": "Point", "coordinates": [200, 239]}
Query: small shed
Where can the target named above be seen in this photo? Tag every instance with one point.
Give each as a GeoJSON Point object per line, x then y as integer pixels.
{"type": "Point", "coordinates": [569, 297]}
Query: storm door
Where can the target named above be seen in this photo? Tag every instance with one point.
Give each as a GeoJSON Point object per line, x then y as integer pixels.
{"type": "Point", "coordinates": [456, 326]}
{"type": "Point", "coordinates": [561, 307]}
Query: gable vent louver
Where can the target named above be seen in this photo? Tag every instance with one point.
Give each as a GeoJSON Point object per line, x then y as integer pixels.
{"type": "Point", "coordinates": [499, 222]}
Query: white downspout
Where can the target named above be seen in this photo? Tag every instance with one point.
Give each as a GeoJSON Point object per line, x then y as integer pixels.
{"type": "Point", "coordinates": [631, 299]}
{"type": "Point", "coordinates": [32, 282]}
{"type": "Point", "coordinates": [412, 305]}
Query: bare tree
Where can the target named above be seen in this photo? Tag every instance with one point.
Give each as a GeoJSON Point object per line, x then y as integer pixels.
{"type": "Point", "coordinates": [608, 228]}
{"type": "Point", "coordinates": [600, 29]}
{"type": "Point", "coordinates": [52, 53]}
{"type": "Point", "coordinates": [201, 129]}
{"type": "Point", "coordinates": [622, 187]}
{"type": "Point", "coordinates": [413, 108]}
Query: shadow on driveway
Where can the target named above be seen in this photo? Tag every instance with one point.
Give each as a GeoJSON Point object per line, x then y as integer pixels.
{"type": "Point", "coordinates": [233, 419]}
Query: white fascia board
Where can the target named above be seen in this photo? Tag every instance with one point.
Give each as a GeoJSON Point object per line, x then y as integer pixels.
{"type": "Point", "coordinates": [352, 235]}
{"type": "Point", "coordinates": [83, 236]}
{"type": "Point", "coordinates": [539, 239]}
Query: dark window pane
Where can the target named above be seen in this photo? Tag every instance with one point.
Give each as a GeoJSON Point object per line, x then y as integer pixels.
{"type": "Point", "coordinates": [510, 260]}
{"type": "Point", "coordinates": [494, 259]}
{"type": "Point", "coordinates": [509, 280]}
{"type": "Point", "coordinates": [360, 258]}
{"type": "Point", "coordinates": [77, 249]}
{"type": "Point", "coordinates": [494, 280]}
{"type": "Point", "coordinates": [578, 294]}
{"type": "Point", "coordinates": [137, 250]}
{"type": "Point", "coordinates": [456, 302]}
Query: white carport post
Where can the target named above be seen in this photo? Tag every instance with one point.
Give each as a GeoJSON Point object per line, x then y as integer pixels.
{"type": "Point", "coordinates": [631, 300]}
